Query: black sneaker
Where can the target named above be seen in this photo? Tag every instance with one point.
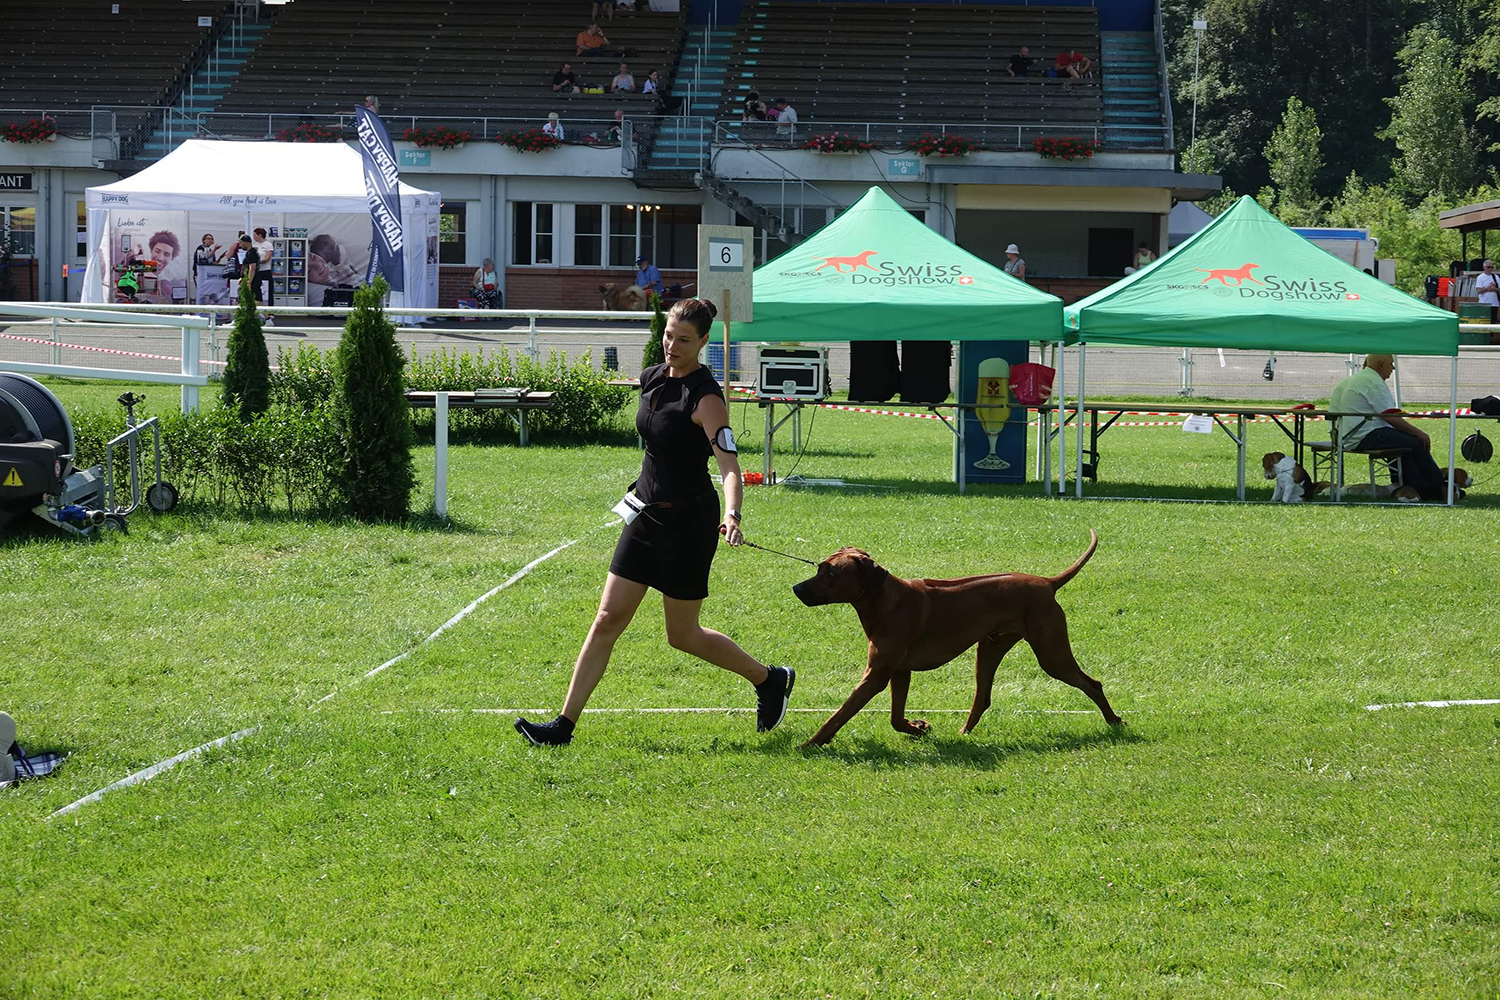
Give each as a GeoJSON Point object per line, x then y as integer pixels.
{"type": "Point", "coordinates": [557, 733]}
{"type": "Point", "coordinates": [771, 697]}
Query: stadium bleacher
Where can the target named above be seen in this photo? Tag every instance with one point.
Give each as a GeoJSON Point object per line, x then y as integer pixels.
{"type": "Point", "coordinates": [925, 63]}
{"type": "Point", "coordinates": [75, 53]}
{"type": "Point", "coordinates": [446, 58]}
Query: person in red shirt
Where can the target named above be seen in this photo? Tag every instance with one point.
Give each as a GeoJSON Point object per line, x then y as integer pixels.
{"type": "Point", "coordinates": [1072, 64]}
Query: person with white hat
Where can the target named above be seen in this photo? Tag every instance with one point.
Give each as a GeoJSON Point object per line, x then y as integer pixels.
{"type": "Point", "coordinates": [1014, 265]}
{"type": "Point", "coordinates": [553, 127]}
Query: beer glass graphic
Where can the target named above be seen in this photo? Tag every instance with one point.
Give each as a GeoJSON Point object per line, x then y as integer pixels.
{"type": "Point", "coordinates": [993, 407]}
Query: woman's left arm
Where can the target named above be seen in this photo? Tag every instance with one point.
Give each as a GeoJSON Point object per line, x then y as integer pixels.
{"type": "Point", "coordinates": [712, 415]}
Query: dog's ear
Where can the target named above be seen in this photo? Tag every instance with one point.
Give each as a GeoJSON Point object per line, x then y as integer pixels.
{"type": "Point", "coordinates": [871, 573]}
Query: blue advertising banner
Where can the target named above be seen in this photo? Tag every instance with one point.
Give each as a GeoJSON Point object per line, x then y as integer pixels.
{"type": "Point", "coordinates": [383, 191]}
{"type": "Point", "coordinates": [995, 430]}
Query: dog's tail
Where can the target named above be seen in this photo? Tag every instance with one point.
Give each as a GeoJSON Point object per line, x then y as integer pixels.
{"type": "Point", "coordinates": [1072, 571]}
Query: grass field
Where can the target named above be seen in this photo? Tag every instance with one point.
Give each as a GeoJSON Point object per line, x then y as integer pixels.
{"type": "Point", "coordinates": [1254, 832]}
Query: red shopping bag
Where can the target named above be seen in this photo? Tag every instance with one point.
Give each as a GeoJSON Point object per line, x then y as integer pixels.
{"type": "Point", "coordinates": [1031, 384]}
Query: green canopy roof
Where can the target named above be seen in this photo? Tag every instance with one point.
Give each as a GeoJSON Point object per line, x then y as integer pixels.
{"type": "Point", "coordinates": [877, 273]}
{"type": "Point", "coordinates": [1245, 280]}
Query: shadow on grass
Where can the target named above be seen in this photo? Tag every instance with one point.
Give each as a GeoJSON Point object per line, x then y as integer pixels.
{"type": "Point", "coordinates": [974, 752]}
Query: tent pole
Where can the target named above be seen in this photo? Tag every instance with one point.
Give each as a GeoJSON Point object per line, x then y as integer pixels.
{"type": "Point", "coordinates": [1062, 419]}
{"type": "Point", "coordinates": [1452, 424]}
{"type": "Point", "coordinates": [1078, 449]}
{"type": "Point", "coordinates": [1396, 378]}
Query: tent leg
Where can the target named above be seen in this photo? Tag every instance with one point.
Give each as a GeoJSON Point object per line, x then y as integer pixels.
{"type": "Point", "coordinates": [1062, 420]}
{"type": "Point", "coordinates": [1078, 446]}
{"type": "Point", "coordinates": [1452, 425]}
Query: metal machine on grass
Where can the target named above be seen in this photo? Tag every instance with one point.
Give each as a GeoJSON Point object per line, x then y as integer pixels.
{"type": "Point", "coordinates": [37, 473]}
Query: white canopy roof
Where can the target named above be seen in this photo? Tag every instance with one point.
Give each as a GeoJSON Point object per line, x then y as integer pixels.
{"type": "Point", "coordinates": [218, 175]}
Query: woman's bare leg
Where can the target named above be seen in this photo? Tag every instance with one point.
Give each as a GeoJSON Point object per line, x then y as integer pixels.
{"type": "Point", "coordinates": [617, 607]}
{"type": "Point", "coordinates": [684, 633]}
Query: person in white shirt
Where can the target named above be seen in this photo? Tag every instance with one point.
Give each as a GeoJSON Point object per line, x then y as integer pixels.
{"type": "Point", "coordinates": [1487, 285]}
{"type": "Point", "coordinates": [263, 250]}
{"type": "Point", "coordinates": [786, 119]}
{"type": "Point", "coordinates": [554, 127]}
{"type": "Point", "coordinates": [1384, 429]}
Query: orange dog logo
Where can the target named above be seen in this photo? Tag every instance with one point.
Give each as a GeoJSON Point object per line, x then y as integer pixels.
{"type": "Point", "coordinates": [1240, 274]}
{"type": "Point", "coordinates": [853, 263]}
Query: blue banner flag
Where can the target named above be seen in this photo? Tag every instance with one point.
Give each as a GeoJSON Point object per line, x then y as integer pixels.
{"type": "Point", "coordinates": [383, 192]}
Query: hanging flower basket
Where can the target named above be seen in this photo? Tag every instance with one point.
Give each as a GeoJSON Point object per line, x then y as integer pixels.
{"type": "Point", "coordinates": [942, 145]}
{"type": "Point", "coordinates": [837, 142]}
{"type": "Point", "coordinates": [312, 132]}
{"type": "Point", "coordinates": [35, 130]}
{"type": "Point", "coordinates": [442, 137]}
{"type": "Point", "coordinates": [1065, 149]}
{"type": "Point", "coordinates": [532, 140]}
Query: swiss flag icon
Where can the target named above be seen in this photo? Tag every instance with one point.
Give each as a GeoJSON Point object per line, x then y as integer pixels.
{"type": "Point", "coordinates": [1351, 296]}
{"type": "Point", "coordinates": [966, 280]}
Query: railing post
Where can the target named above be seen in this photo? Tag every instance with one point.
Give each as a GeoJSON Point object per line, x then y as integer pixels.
{"type": "Point", "coordinates": [440, 475]}
{"type": "Point", "coordinates": [56, 347]}
{"type": "Point", "coordinates": [531, 339]}
{"type": "Point", "coordinates": [190, 367]}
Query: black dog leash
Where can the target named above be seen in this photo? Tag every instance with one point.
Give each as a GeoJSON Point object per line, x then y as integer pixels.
{"type": "Point", "coordinates": [781, 554]}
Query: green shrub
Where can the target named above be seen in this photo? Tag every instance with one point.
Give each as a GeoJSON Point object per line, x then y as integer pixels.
{"type": "Point", "coordinates": [371, 413]}
{"type": "Point", "coordinates": [304, 377]}
{"type": "Point", "coordinates": [655, 355]}
{"type": "Point", "coordinates": [247, 370]}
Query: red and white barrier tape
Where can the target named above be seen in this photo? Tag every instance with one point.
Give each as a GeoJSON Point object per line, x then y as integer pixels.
{"type": "Point", "coordinates": [98, 350]}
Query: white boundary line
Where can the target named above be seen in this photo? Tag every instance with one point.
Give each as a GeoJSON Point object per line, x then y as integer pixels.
{"type": "Point", "coordinates": [146, 774]}
{"type": "Point", "coordinates": [1434, 704]}
{"type": "Point", "coordinates": [736, 711]}
{"type": "Point", "coordinates": [516, 577]}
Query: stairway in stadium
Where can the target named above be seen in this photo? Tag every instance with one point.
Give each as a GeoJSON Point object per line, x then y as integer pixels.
{"type": "Point", "coordinates": [682, 144]}
{"type": "Point", "coordinates": [1131, 78]}
{"type": "Point", "coordinates": [207, 86]}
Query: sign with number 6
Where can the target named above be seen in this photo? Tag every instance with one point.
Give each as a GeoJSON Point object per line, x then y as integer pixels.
{"type": "Point", "coordinates": [726, 264]}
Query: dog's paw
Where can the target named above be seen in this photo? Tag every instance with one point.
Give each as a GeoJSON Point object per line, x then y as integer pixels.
{"type": "Point", "coordinates": [912, 727]}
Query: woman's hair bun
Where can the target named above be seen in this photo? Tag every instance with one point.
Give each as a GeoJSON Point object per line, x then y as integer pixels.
{"type": "Point", "coordinates": [713, 310]}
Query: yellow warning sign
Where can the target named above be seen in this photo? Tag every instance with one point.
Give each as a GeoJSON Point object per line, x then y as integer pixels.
{"type": "Point", "coordinates": [13, 478]}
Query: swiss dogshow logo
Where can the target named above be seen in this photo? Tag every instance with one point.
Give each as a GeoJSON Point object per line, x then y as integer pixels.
{"type": "Point", "coordinates": [852, 268]}
{"type": "Point", "coordinates": [1247, 285]}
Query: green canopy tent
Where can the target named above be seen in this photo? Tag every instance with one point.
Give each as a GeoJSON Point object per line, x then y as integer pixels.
{"type": "Point", "coordinates": [1247, 281]}
{"type": "Point", "coordinates": [877, 273]}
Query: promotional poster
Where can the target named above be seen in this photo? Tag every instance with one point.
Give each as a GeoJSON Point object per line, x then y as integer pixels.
{"type": "Point", "coordinates": [995, 430]}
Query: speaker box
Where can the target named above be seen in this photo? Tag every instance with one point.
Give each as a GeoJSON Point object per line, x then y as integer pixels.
{"type": "Point", "coordinates": [924, 370]}
{"type": "Point", "coordinates": [874, 373]}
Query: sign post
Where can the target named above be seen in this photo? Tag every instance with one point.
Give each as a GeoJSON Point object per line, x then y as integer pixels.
{"type": "Point", "coordinates": [726, 268]}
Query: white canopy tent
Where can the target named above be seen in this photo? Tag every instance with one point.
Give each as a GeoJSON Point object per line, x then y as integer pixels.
{"type": "Point", "coordinates": [216, 187]}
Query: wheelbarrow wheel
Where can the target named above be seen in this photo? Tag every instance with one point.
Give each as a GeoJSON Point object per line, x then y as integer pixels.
{"type": "Point", "coordinates": [114, 522]}
{"type": "Point", "coordinates": [162, 497]}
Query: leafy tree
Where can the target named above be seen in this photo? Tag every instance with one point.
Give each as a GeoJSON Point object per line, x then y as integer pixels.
{"type": "Point", "coordinates": [1295, 158]}
{"type": "Point", "coordinates": [1412, 236]}
{"type": "Point", "coordinates": [247, 370]}
{"type": "Point", "coordinates": [1428, 118]}
{"type": "Point", "coordinates": [654, 353]}
{"type": "Point", "coordinates": [374, 421]}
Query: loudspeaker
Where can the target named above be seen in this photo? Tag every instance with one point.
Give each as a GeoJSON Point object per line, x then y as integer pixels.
{"type": "Point", "coordinates": [874, 374]}
{"type": "Point", "coordinates": [924, 370]}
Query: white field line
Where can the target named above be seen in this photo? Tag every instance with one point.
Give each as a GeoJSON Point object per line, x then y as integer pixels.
{"type": "Point", "coordinates": [146, 774]}
{"type": "Point", "coordinates": [738, 711]}
{"type": "Point", "coordinates": [1434, 704]}
{"type": "Point", "coordinates": [515, 577]}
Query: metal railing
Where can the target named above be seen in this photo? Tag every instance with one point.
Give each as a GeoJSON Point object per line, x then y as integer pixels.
{"type": "Point", "coordinates": [70, 123]}
{"type": "Point", "coordinates": [900, 136]}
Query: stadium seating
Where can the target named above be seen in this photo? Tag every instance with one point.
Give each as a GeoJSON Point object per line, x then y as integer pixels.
{"type": "Point", "coordinates": [74, 53]}
{"type": "Point", "coordinates": [459, 59]}
{"type": "Point", "coordinates": [928, 64]}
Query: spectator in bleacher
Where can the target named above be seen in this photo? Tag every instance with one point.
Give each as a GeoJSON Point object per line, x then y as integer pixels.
{"type": "Point", "coordinates": [1015, 266]}
{"type": "Point", "coordinates": [591, 41]}
{"type": "Point", "coordinates": [652, 84]}
{"type": "Point", "coordinates": [623, 81]}
{"type": "Point", "coordinates": [487, 285]}
{"type": "Point", "coordinates": [373, 103]}
{"type": "Point", "coordinates": [786, 120]}
{"type": "Point", "coordinates": [554, 127]}
{"type": "Point", "coordinates": [755, 108]}
{"type": "Point", "coordinates": [565, 81]}
{"type": "Point", "coordinates": [605, 5]}
{"type": "Point", "coordinates": [646, 275]}
{"type": "Point", "coordinates": [1072, 64]}
{"type": "Point", "coordinates": [1020, 63]}
{"type": "Point", "coordinates": [616, 131]}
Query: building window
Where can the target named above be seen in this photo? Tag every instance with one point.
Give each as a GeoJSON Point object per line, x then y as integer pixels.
{"type": "Point", "coordinates": [83, 230]}
{"type": "Point", "coordinates": [677, 236]}
{"type": "Point", "coordinates": [588, 235]}
{"type": "Point", "coordinates": [453, 246]}
{"type": "Point", "coordinates": [532, 231]}
{"type": "Point", "coordinates": [20, 222]}
{"type": "Point", "coordinates": [624, 223]}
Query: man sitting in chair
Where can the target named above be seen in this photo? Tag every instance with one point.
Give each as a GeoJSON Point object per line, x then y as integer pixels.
{"type": "Point", "coordinates": [1385, 430]}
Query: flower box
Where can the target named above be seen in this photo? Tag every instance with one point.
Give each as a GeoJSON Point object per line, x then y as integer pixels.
{"type": "Point", "coordinates": [441, 137]}
{"type": "Point", "coordinates": [942, 145]}
{"type": "Point", "coordinates": [1070, 148]}
{"type": "Point", "coordinates": [532, 140]}
{"type": "Point", "coordinates": [312, 132]}
{"type": "Point", "coordinates": [35, 130]}
{"type": "Point", "coordinates": [837, 142]}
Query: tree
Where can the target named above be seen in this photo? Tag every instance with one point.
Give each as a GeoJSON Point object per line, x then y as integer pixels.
{"type": "Point", "coordinates": [654, 353]}
{"type": "Point", "coordinates": [1412, 236]}
{"type": "Point", "coordinates": [374, 421]}
{"type": "Point", "coordinates": [1295, 158]}
{"type": "Point", "coordinates": [247, 372]}
{"type": "Point", "coordinates": [1437, 147]}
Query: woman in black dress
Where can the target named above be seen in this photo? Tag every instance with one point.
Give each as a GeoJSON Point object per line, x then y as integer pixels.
{"type": "Point", "coordinates": [670, 544]}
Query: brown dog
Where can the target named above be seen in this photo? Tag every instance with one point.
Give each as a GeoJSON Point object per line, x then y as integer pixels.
{"type": "Point", "coordinates": [922, 624]}
{"type": "Point", "coordinates": [624, 298]}
{"type": "Point", "coordinates": [1301, 486]}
